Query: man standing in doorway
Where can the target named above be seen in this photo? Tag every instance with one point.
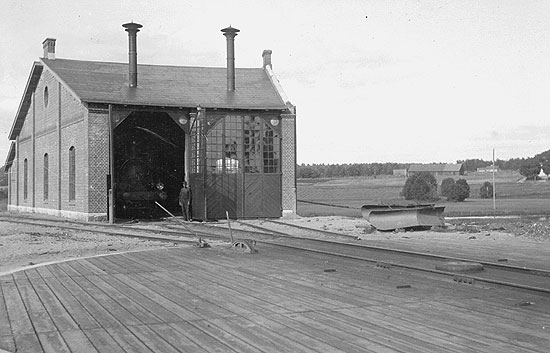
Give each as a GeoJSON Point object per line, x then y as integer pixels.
{"type": "Point", "coordinates": [184, 201]}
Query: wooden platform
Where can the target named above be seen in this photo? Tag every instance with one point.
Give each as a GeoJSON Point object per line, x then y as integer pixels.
{"type": "Point", "coordinates": [220, 300]}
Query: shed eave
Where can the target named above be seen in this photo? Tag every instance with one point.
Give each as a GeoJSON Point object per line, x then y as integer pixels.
{"type": "Point", "coordinates": [184, 105]}
{"type": "Point", "coordinates": [25, 103]}
{"type": "Point", "coordinates": [10, 157]}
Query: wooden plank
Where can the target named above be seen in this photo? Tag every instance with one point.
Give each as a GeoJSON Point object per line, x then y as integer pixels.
{"type": "Point", "coordinates": [27, 343]}
{"type": "Point", "coordinates": [128, 341]}
{"type": "Point", "coordinates": [102, 341]}
{"type": "Point", "coordinates": [431, 321]}
{"type": "Point", "coordinates": [59, 315]}
{"type": "Point", "coordinates": [334, 291]}
{"type": "Point", "coordinates": [83, 268]}
{"type": "Point", "coordinates": [152, 340]}
{"type": "Point", "coordinates": [90, 304]}
{"type": "Point", "coordinates": [292, 336]}
{"type": "Point", "coordinates": [19, 319]}
{"type": "Point", "coordinates": [5, 329]}
{"type": "Point", "coordinates": [335, 336]}
{"type": "Point", "coordinates": [233, 342]}
{"type": "Point", "coordinates": [146, 303]}
{"type": "Point", "coordinates": [36, 311]}
{"type": "Point", "coordinates": [238, 302]}
{"type": "Point", "coordinates": [390, 339]}
{"type": "Point", "coordinates": [107, 303]}
{"type": "Point", "coordinates": [103, 266]}
{"type": "Point", "coordinates": [415, 325]}
{"type": "Point", "coordinates": [7, 343]}
{"type": "Point", "coordinates": [69, 271]}
{"type": "Point", "coordinates": [526, 337]}
{"type": "Point", "coordinates": [529, 316]}
{"type": "Point", "coordinates": [127, 263]}
{"type": "Point", "coordinates": [184, 298]}
{"type": "Point", "coordinates": [78, 342]}
{"type": "Point", "coordinates": [56, 271]}
{"type": "Point", "coordinates": [415, 335]}
{"type": "Point", "coordinates": [52, 342]}
{"type": "Point", "coordinates": [71, 304]}
{"type": "Point", "coordinates": [278, 294]}
{"type": "Point", "coordinates": [201, 338]}
{"type": "Point", "coordinates": [275, 337]}
{"type": "Point", "coordinates": [121, 298]}
{"type": "Point", "coordinates": [177, 339]}
{"type": "Point", "coordinates": [323, 339]}
{"type": "Point", "coordinates": [180, 312]}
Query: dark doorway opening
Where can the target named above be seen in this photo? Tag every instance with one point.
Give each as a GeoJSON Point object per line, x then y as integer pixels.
{"type": "Point", "coordinates": [149, 165]}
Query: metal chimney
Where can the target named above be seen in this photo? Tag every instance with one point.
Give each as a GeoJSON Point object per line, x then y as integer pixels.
{"type": "Point", "coordinates": [132, 29]}
{"type": "Point", "coordinates": [230, 34]}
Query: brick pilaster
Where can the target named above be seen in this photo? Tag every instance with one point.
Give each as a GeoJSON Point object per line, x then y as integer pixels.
{"type": "Point", "coordinates": [289, 198]}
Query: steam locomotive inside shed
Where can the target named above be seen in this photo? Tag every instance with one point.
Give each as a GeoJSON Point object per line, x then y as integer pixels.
{"type": "Point", "coordinates": [149, 165]}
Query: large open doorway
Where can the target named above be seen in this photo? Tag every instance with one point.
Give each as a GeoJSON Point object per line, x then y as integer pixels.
{"type": "Point", "coordinates": [149, 152]}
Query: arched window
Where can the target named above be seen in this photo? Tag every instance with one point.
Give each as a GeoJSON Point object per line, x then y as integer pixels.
{"type": "Point", "coordinates": [46, 96]}
{"type": "Point", "coordinates": [25, 179]}
{"type": "Point", "coordinates": [72, 173]}
{"type": "Point", "coordinates": [46, 176]}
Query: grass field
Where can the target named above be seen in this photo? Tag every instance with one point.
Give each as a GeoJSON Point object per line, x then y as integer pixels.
{"type": "Point", "coordinates": [514, 196]}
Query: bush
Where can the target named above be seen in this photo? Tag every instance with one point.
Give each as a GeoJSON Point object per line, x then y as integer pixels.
{"type": "Point", "coordinates": [530, 169]}
{"type": "Point", "coordinates": [420, 186]}
{"type": "Point", "coordinates": [460, 191]}
{"type": "Point", "coordinates": [486, 190]}
{"type": "Point", "coordinates": [447, 186]}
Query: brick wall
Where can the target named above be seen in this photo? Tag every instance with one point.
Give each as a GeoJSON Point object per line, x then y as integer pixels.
{"type": "Point", "coordinates": [98, 167]}
{"type": "Point", "coordinates": [40, 135]}
{"type": "Point", "coordinates": [24, 151]}
{"type": "Point", "coordinates": [288, 122]}
{"type": "Point", "coordinates": [74, 133]}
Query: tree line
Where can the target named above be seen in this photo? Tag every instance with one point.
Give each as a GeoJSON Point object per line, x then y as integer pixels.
{"type": "Point", "coordinates": [347, 170]}
{"type": "Point", "coordinates": [528, 167]}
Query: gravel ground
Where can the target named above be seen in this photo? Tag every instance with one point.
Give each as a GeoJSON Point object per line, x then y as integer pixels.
{"type": "Point", "coordinates": [532, 228]}
{"type": "Point", "coordinates": [25, 245]}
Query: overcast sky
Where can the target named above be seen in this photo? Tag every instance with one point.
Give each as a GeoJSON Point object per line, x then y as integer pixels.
{"type": "Point", "coordinates": [373, 81]}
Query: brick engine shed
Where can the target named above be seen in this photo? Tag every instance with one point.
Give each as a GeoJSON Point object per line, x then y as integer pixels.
{"type": "Point", "coordinates": [90, 142]}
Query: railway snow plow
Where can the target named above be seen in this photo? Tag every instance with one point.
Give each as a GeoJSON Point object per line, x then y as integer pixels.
{"type": "Point", "coordinates": [408, 217]}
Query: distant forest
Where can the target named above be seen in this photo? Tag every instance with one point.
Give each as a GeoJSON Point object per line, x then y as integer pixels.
{"type": "Point", "coordinates": [528, 167]}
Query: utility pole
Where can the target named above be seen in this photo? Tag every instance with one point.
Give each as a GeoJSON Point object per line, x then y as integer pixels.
{"type": "Point", "coordinates": [494, 186]}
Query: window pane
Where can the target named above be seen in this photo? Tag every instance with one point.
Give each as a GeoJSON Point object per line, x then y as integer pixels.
{"type": "Point", "coordinates": [25, 179]}
{"type": "Point", "coordinates": [46, 176]}
{"type": "Point", "coordinates": [72, 174]}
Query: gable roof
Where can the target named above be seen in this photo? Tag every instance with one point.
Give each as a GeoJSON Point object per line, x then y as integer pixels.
{"type": "Point", "coordinates": [25, 103]}
{"type": "Point", "coordinates": [10, 157]}
{"type": "Point", "coordinates": [435, 167]}
{"type": "Point", "coordinates": [177, 86]}
{"type": "Point", "coordinates": [165, 86]}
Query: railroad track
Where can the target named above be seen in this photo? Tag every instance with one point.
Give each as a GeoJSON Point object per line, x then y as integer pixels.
{"type": "Point", "coordinates": [340, 245]}
{"type": "Point", "coordinates": [178, 236]}
{"type": "Point", "coordinates": [494, 273]}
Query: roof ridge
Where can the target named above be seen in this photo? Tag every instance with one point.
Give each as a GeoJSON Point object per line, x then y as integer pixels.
{"type": "Point", "coordinates": [142, 65]}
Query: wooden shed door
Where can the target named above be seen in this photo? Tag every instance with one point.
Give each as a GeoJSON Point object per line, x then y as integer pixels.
{"type": "Point", "coordinates": [262, 177]}
{"type": "Point", "coordinates": [236, 168]}
{"type": "Point", "coordinates": [262, 195]}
